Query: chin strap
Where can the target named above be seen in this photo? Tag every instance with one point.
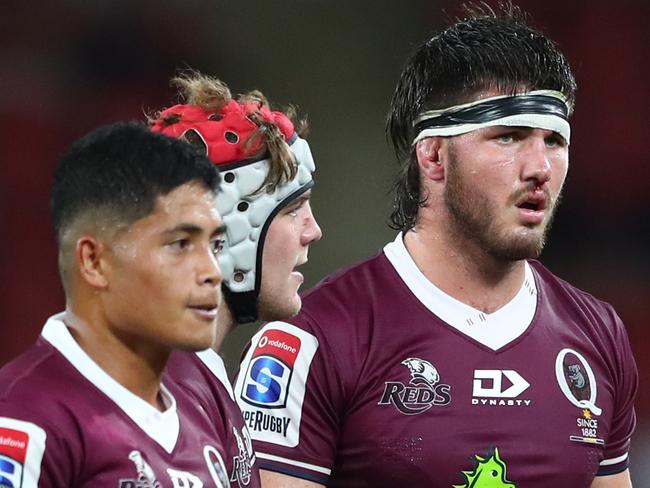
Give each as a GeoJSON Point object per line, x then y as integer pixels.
{"type": "Point", "coordinates": [243, 305]}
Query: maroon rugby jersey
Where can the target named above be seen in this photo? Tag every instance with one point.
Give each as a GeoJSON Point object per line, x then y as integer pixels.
{"type": "Point", "coordinates": [64, 422]}
{"type": "Point", "coordinates": [384, 380]}
{"type": "Point", "coordinates": [204, 376]}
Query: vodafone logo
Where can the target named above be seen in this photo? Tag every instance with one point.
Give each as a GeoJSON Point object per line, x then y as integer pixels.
{"type": "Point", "coordinates": [8, 441]}
{"type": "Point", "coordinates": [264, 341]}
{"type": "Point", "coordinates": [13, 443]}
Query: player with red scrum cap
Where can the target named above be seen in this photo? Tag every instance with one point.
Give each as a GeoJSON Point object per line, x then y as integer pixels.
{"type": "Point", "coordinates": [264, 202]}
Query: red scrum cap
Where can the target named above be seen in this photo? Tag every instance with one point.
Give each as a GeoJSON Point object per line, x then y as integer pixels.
{"type": "Point", "coordinates": [229, 140]}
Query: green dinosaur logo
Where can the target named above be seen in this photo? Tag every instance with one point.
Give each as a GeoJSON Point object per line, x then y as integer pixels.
{"type": "Point", "coordinates": [490, 472]}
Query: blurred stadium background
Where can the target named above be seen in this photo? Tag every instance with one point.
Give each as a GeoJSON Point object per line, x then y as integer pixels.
{"type": "Point", "coordinates": [70, 65]}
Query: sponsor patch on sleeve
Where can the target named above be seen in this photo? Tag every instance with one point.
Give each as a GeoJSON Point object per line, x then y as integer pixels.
{"type": "Point", "coordinates": [22, 445]}
{"type": "Point", "coordinates": [270, 388]}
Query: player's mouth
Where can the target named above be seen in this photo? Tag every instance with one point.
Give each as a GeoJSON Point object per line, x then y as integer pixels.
{"type": "Point", "coordinates": [532, 207]}
{"type": "Point", "coordinates": [297, 274]}
{"type": "Point", "coordinates": [206, 310]}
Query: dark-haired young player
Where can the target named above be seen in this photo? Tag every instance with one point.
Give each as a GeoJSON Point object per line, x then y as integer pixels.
{"type": "Point", "coordinates": [87, 405]}
{"type": "Point", "coordinates": [453, 358]}
{"type": "Point", "coordinates": [265, 203]}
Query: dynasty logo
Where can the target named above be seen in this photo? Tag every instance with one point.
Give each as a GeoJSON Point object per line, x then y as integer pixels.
{"type": "Point", "coordinates": [423, 392]}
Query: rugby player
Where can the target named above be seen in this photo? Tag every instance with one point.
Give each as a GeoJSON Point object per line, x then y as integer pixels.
{"type": "Point", "coordinates": [138, 235]}
{"type": "Point", "coordinates": [265, 203]}
{"type": "Point", "coordinates": [454, 357]}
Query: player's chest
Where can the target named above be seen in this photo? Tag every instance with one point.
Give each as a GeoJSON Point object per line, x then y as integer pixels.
{"type": "Point", "coordinates": [449, 407]}
{"type": "Point", "coordinates": [238, 454]}
{"type": "Point", "coordinates": [199, 459]}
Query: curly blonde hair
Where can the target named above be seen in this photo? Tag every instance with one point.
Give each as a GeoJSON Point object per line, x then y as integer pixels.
{"type": "Point", "coordinates": [212, 94]}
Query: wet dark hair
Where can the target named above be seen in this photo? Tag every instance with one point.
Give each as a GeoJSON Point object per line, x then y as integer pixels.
{"type": "Point", "coordinates": [485, 50]}
{"type": "Point", "coordinates": [119, 170]}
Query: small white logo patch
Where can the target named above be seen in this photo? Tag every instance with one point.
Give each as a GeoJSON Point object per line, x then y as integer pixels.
{"type": "Point", "coordinates": [499, 387]}
{"type": "Point", "coordinates": [22, 445]}
{"type": "Point", "coordinates": [270, 387]}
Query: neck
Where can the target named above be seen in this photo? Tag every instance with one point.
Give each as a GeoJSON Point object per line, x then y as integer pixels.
{"type": "Point", "coordinates": [462, 270]}
{"type": "Point", "coordinates": [225, 325]}
{"type": "Point", "coordinates": [136, 366]}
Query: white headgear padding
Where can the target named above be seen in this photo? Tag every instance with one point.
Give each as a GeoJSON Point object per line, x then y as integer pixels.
{"type": "Point", "coordinates": [247, 211]}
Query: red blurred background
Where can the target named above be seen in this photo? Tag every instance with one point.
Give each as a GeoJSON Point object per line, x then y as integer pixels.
{"type": "Point", "coordinates": [69, 66]}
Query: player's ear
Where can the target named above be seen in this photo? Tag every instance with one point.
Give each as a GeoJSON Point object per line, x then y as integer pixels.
{"type": "Point", "coordinates": [90, 253]}
{"type": "Point", "coordinates": [427, 152]}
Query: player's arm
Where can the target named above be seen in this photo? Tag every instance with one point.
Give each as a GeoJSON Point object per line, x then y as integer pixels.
{"type": "Point", "coordinates": [616, 459]}
{"type": "Point", "coordinates": [271, 479]}
{"type": "Point", "coordinates": [620, 480]}
{"type": "Point", "coordinates": [24, 460]}
{"type": "Point", "coordinates": [290, 403]}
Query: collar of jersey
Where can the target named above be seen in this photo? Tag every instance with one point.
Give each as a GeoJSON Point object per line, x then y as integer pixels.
{"type": "Point", "coordinates": [493, 330]}
{"type": "Point", "coordinates": [162, 427]}
{"type": "Point", "coordinates": [215, 364]}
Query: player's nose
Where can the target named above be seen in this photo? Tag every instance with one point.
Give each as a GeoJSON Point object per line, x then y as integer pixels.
{"type": "Point", "coordinates": [208, 270]}
{"type": "Point", "coordinates": [537, 159]}
{"type": "Point", "coordinates": [312, 231]}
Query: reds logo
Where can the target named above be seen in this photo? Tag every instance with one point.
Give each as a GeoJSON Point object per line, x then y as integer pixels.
{"type": "Point", "coordinates": [425, 390]}
{"type": "Point", "coordinates": [422, 371]}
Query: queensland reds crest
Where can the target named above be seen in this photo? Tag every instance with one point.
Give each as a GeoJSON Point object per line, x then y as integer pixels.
{"type": "Point", "coordinates": [267, 379]}
{"type": "Point", "coordinates": [424, 391]}
{"type": "Point", "coordinates": [576, 379]}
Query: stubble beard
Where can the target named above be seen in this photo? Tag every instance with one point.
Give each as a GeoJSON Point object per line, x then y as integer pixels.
{"type": "Point", "coordinates": [271, 307]}
{"type": "Point", "coordinates": [475, 219]}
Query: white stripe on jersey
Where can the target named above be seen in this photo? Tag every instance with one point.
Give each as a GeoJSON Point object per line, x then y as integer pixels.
{"type": "Point", "coordinates": [279, 459]}
{"type": "Point", "coordinates": [616, 460]}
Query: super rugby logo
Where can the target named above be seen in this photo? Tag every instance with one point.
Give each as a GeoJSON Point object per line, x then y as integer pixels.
{"type": "Point", "coordinates": [13, 450]}
{"type": "Point", "coordinates": [267, 379]}
{"type": "Point", "coordinates": [424, 392]}
{"type": "Point", "coordinates": [22, 445]}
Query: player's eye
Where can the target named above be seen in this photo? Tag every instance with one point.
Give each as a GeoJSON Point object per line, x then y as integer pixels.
{"type": "Point", "coordinates": [295, 208]}
{"type": "Point", "coordinates": [179, 244]}
{"type": "Point", "coordinates": [554, 140]}
{"type": "Point", "coordinates": [506, 138]}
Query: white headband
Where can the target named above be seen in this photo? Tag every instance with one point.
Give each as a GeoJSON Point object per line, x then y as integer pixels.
{"type": "Point", "coordinates": [543, 109]}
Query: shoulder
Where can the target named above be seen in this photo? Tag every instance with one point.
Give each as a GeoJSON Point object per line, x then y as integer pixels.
{"type": "Point", "coordinates": [596, 319]}
{"type": "Point", "coordinates": [345, 295]}
{"type": "Point", "coordinates": [556, 288]}
{"type": "Point", "coordinates": [42, 387]}
{"type": "Point", "coordinates": [34, 415]}
{"type": "Point", "coordinates": [347, 279]}
{"type": "Point", "coordinates": [34, 373]}
{"type": "Point", "coordinates": [206, 363]}
{"type": "Point", "coordinates": [335, 322]}
{"type": "Point", "coordinates": [202, 377]}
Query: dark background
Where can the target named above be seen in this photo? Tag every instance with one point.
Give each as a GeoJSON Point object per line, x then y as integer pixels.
{"type": "Point", "coordinates": [68, 66]}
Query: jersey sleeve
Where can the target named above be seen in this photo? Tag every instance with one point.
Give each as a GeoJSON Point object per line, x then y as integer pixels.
{"type": "Point", "coordinates": [31, 454]}
{"type": "Point", "coordinates": [624, 419]}
{"type": "Point", "coordinates": [287, 389]}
